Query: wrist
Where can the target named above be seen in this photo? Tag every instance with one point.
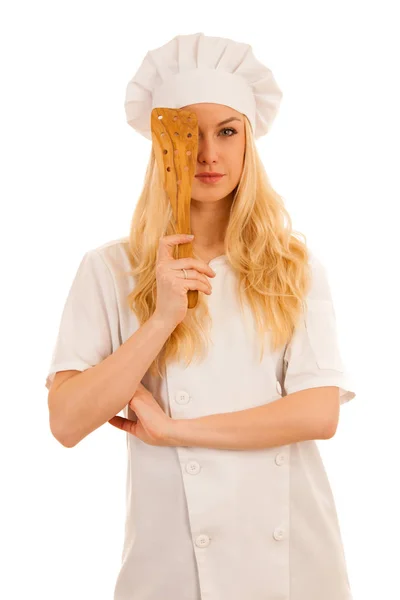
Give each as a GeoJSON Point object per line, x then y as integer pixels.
{"type": "Point", "coordinates": [175, 432]}
{"type": "Point", "coordinates": [161, 323]}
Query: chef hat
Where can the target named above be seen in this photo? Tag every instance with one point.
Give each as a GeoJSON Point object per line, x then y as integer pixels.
{"type": "Point", "coordinates": [196, 68]}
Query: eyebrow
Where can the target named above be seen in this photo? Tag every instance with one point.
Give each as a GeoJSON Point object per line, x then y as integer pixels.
{"type": "Point", "coordinates": [228, 121]}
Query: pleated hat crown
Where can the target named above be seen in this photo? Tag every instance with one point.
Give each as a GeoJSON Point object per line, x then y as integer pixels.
{"type": "Point", "coordinates": [196, 68]}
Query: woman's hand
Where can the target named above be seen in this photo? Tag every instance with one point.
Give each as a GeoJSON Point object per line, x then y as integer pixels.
{"type": "Point", "coordinates": [172, 287]}
{"type": "Point", "coordinates": [153, 425]}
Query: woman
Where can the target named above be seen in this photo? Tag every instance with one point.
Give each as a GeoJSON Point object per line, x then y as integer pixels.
{"type": "Point", "coordinates": [227, 496]}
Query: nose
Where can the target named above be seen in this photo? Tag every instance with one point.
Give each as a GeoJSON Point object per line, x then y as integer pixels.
{"type": "Point", "coordinates": [207, 151]}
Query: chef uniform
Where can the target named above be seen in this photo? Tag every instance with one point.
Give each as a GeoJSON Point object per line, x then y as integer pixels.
{"type": "Point", "coordinates": [204, 523]}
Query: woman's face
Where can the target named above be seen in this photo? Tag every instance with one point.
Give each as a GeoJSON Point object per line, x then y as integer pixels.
{"type": "Point", "coordinates": [220, 149]}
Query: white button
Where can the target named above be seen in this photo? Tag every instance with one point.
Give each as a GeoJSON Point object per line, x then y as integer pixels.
{"type": "Point", "coordinates": [279, 533]}
{"type": "Point", "coordinates": [278, 387]}
{"type": "Point", "coordinates": [202, 540]}
{"type": "Point", "coordinates": [182, 397]}
{"type": "Point", "coordinates": [280, 458]}
{"type": "Point", "coordinates": [193, 467]}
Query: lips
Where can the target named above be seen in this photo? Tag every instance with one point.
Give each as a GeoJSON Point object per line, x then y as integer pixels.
{"type": "Point", "coordinates": [208, 179]}
{"type": "Point", "coordinates": [209, 175]}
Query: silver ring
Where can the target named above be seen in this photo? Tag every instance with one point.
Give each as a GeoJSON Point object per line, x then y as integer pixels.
{"type": "Point", "coordinates": [185, 274]}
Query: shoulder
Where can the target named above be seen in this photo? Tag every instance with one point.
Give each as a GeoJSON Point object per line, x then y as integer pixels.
{"type": "Point", "coordinates": [319, 278]}
{"type": "Point", "coordinates": [113, 254]}
{"type": "Point", "coordinates": [108, 266]}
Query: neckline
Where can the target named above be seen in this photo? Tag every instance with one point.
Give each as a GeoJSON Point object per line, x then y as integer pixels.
{"type": "Point", "coordinates": [217, 259]}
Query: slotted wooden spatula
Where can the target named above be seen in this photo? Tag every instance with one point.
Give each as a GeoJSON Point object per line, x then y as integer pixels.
{"type": "Point", "coordinates": [174, 132]}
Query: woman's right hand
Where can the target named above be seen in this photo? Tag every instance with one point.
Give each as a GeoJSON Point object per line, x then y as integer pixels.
{"type": "Point", "coordinates": [172, 287]}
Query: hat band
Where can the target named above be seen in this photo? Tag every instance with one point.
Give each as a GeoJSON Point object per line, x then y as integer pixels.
{"type": "Point", "coordinates": [206, 85]}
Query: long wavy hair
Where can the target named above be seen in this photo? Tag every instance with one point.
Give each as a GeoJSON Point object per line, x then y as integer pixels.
{"type": "Point", "coordinates": [271, 264]}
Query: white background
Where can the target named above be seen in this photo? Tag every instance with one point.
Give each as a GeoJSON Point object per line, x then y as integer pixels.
{"type": "Point", "coordinates": [72, 170]}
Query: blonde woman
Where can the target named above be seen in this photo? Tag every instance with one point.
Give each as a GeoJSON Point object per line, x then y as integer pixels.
{"type": "Point", "coordinates": [227, 496]}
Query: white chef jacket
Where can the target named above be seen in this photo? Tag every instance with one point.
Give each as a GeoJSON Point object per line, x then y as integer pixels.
{"type": "Point", "coordinates": [213, 524]}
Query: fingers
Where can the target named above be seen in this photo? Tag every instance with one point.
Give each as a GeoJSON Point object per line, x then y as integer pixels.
{"type": "Point", "coordinates": [122, 423]}
{"type": "Point", "coordinates": [167, 243]}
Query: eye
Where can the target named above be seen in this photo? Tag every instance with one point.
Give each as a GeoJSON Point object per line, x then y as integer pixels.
{"type": "Point", "coordinates": [229, 129]}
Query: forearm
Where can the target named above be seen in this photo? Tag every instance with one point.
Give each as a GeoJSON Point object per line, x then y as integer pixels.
{"type": "Point", "coordinates": [84, 402]}
{"type": "Point", "coordinates": [292, 418]}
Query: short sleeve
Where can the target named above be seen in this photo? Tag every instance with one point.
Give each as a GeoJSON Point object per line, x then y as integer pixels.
{"type": "Point", "coordinates": [89, 322]}
{"type": "Point", "coordinates": [312, 357]}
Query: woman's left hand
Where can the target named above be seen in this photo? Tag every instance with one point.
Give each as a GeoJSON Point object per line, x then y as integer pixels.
{"type": "Point", "coordinates": [153, 425]}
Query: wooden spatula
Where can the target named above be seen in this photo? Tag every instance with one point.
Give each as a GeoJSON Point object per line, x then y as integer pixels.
{"type": "Point", "coordinates": [174, 133]}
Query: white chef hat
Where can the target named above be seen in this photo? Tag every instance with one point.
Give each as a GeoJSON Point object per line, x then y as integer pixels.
{"type": "Point", "coordinates": [196, 68]}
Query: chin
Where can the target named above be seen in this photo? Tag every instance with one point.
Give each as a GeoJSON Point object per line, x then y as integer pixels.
{"type": "Point", "coordinates": [210, 191]}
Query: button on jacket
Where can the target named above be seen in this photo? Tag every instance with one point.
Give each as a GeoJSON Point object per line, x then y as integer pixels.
{"type": "Point", "coordinates": [212, 524]}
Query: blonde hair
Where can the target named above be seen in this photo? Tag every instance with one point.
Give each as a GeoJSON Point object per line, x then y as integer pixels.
{"type": "Point", "coordinates": [271, 264]}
